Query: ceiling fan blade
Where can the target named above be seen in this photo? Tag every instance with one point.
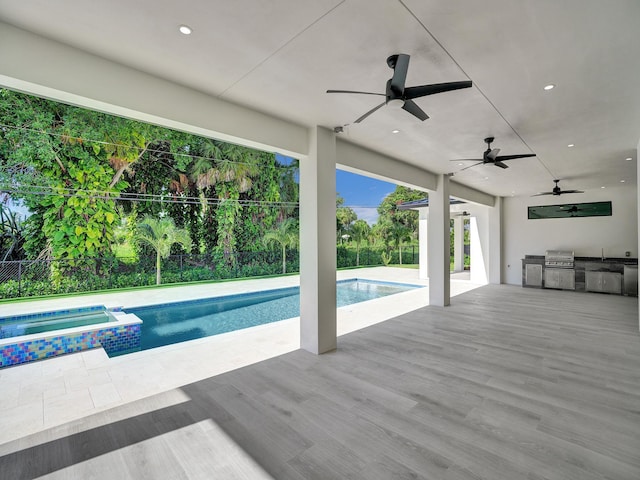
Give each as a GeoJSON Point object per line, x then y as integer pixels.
{"type": "Point", "coordinates": [400, 73]}
{"type": "Point", "coordinates": [502, 158]}
{"type": "Point", "coordinates": [352, 91]}
{"type": "Point", "coordinates": [424, 90]}
{"type": "Point", "coordinates": [493, 154]}
{"type": "Point", "coordinates": [498, 163]}
{"type": "Point", "coordinates": [467, 160]}
{"type": "Point", "coordinates": [413, 108]}
{"type": "Point", "coordinates": [542, 193]}
{"type": "Point", "coordinates": [471, 166]}
{"type": "Point", "coordinates": [370, 112]}
{"type": "Point", "coordinates": [571, 191]}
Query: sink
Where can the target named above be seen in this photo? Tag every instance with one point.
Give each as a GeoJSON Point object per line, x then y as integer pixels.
{"type": "Point", "coordinates": [602, 266]}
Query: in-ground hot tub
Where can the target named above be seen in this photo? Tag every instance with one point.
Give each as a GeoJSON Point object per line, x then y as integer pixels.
{"type": "Point", "coordinates": [25, 338]}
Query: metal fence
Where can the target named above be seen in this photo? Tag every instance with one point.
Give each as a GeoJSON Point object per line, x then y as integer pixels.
{"type": "Point", "coordinates": [27, 278]}
{"type": "Point", "coordinates": [347, 257]}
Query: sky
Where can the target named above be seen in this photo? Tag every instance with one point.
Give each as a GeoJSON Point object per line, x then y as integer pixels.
{"type": "Point", "coordinates": [362, 194]}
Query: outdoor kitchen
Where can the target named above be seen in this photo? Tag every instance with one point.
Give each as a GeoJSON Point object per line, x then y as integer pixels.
{"type": "Point", "coordinates": [562, 270]}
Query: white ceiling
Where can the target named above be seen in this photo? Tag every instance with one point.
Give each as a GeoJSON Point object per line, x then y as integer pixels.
{"type": "Point", "coordinates": [280, 56]}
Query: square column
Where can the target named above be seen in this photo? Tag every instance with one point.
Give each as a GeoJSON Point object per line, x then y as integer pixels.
{"type": "Point", "coordinates": [495, 242]}
{"type": "Point", "coordinates": [318, 333]}
{"type": "Point", "coordinates": [423, 235]}
{"type": "Point", "coordinates": [438, 244]}
{"type": "Point", "coordinates": [479, 245]}
{"type": "Point", "coordinates": [458, 244]}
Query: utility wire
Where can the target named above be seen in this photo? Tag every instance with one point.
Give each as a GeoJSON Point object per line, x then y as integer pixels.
{"type": "Point", "coordinates": [133, 197]}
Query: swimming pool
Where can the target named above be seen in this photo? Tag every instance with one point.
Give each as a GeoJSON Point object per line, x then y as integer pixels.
{"type": "Point", "coordinates": [170, 323]}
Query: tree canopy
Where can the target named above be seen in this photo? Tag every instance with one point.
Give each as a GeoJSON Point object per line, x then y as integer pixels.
{"type": "Point", "coordinates": [79, 171]}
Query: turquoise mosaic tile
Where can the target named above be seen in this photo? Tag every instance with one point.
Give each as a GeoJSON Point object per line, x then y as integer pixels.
{"type": "Point", "coordinates": [112, 339]}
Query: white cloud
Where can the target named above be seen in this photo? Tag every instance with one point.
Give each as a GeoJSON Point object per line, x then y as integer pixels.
{"type": "Point", "coordinates": [368, 214]}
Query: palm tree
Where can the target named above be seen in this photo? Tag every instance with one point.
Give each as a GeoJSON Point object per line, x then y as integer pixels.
{"type": "Point", "coordinates": [161, 234]}
{"type": "Point", "coordinates": [345, 217]}
{"type": "Point", "coordinates": [286, 236]}
{"type": "Point", "coordinates": [399, 232]}
{"type": "Point", "coordinates": [230, 169]}
{"type": "Point", "coordinates": [359, 232]}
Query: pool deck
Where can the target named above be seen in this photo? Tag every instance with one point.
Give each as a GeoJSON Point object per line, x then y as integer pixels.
{"type": "Point", "coordinates": [43, 394]}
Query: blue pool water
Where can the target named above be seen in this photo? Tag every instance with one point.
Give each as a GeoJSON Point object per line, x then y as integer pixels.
{"type": "Point", "coordinates": [177, 322]}
{"type": "Point", "coordinates": [50, 321]}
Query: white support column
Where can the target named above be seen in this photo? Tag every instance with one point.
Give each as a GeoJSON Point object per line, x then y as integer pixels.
{"type": "Point", "coordinates": [438, 244]}
{"type": "Point", "coordinates": [478, 245]}
{"type": "Point", "coordinates": [423, 237]}
{"type": "Point", "coordinates": [318, 243]}
{"type": "Point", "coordinates": [458, 244]}
{"type": "Point", "coordinates": [495, 242]}
{"type": "Point", "coordinates": [638, 198]}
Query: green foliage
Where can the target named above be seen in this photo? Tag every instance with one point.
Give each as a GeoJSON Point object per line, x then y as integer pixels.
{"type": "Point", "coordinates": [286, 235]}
{"type": "Point", "coordinates": [359, 232]}
{"type": "Point", "coordinates": [84, 162]}
{"type": "Point", "coordinates": [388, 209]}
{"type": "Point", "coordinates": [11, 235]}
{"type": "Point", "coordinates": [345, 216]}
{"type": "Point", "coordinates": [161, 234]}
{"type": "Point", "coordinates": [124, 237]}
{"type": "Point", "coordinates": [67, 164]}
{"type": "Point", "coordinates": [396, 226]}
{"type": "Point", "coordinates": [386, 258]}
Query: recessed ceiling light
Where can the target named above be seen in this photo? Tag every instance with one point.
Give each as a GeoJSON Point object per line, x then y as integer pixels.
{"type": "Point", "coordinates": [460, 164]}
{"type": "Point", "coordinates": [571, 145]}
{"type": "Point", "coordinates": [486, 178]}
{"type": "Point", "coordinates": [621, 181]}
{"type": "Point", "coordinates": [551, 86]}
{"type": "Point", "coordinates": [185, 29]}
{"type": "Point", "coordinates": [628, 159]}
{"type": "Point", "coordinates": [395, 131]}
{"type": "Point", "coordinates": [603, 187]}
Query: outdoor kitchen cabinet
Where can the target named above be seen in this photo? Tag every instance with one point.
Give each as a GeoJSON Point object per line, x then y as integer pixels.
{"type": "Point", "coordinates": [631, 280]}
{"type": "Point", "coordinates": [533, 275]}
{"type": "Point", "coordinates": [603, 282]}
{"type": "Point", "coordinates": [562, 278]}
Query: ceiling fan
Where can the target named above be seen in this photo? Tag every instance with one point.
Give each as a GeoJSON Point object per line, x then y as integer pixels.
{"type": "Point", "coordinates": [461, 214]}
{"type": "Point", "coordinates": [490, 156]}
{"type": "Point", "coordinates": [572, 211]}
{"type": "Point", "coordinates": [557, 191]}
{"type": "Point", "coordinates": [399, 96]}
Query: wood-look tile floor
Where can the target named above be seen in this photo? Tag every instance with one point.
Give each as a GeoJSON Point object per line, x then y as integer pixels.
{"type": "Point", "coordinates": [507, 383]}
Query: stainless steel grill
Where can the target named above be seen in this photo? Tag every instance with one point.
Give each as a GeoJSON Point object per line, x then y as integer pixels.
{"type": "Point", "coordinates": [559, 259]}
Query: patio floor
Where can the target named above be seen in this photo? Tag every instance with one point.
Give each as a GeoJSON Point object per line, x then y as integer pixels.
{"type": "Point", "coordinates": [47, 393]}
